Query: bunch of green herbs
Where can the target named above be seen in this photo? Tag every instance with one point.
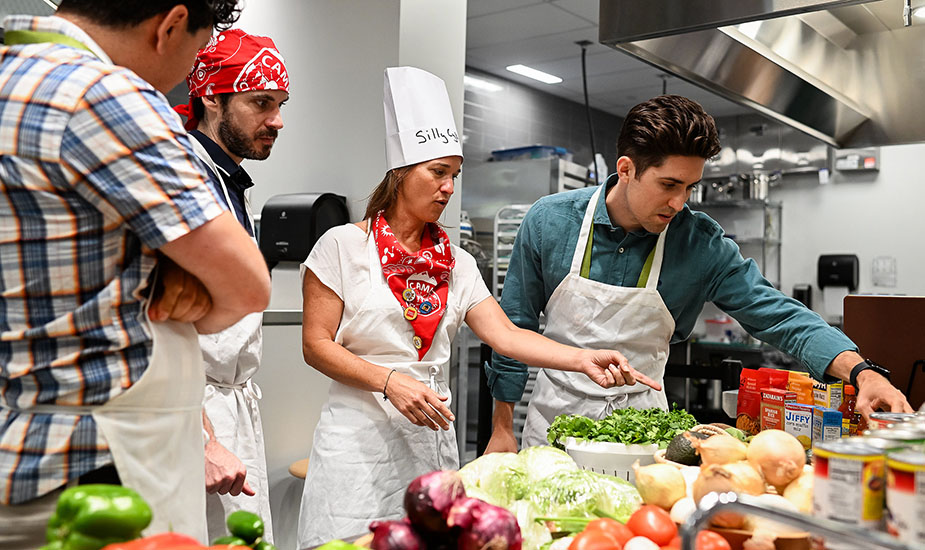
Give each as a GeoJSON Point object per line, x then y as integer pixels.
{"type": "Point", "coordinates": [627, 426]}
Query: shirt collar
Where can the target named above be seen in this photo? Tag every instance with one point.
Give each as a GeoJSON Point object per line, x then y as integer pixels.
{"type": "Point", "coordinates": [602, 218]}
{"type": "Point", "coordinates": [58, 25]}
{"type": "Point", "coordinates": [234, 174]}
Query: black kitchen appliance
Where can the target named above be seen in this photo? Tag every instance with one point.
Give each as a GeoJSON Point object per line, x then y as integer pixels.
{"type": "Point", "coordinates": [291, 224]}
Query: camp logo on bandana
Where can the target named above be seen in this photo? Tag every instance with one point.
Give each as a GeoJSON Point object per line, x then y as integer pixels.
{"type": "Point", "coordinates": [419, 281]}
{"type": "Point", "coordinates": [234, 61]}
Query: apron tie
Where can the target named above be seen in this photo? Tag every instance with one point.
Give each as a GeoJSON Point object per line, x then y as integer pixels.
{"type": "Point", "coordinates": [252, 394]}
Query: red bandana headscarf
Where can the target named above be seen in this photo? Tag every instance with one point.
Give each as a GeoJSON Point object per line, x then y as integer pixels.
{"type": "Point", "coordinates": [419, 281]}
{"type": "Point", "coordinates": [234, 61]}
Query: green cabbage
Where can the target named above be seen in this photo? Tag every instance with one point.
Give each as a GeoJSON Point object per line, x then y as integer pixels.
{"type": "Point", "coordinates": [542, 461]}
{"type": "Point", "coordinates": [535, 534]}
{"type": "Point", "coordinates": [582, 493]}
{"type": "Point", "coordinates": [499, 476]}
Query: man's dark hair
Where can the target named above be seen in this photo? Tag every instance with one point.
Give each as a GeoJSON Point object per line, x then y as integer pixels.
{"type": "Point", "coordinates": [218, 14]}
{"type": "Point", "coordinates": [664, 126]}
{"type": "Point", "coordinates": [199, 110]}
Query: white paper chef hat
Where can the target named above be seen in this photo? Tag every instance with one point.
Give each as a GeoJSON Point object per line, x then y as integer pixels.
{"type": "Point", "coordinates": [419, 123]}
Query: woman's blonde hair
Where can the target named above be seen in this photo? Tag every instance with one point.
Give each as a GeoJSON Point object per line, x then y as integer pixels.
{"type": "Point", "coordinates": [385, 194]}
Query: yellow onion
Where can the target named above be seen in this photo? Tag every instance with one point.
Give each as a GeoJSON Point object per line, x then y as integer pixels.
{"type": "Point", "coordinates": [800, 491]}
{"type": "Point", "coordinates": [778, 456]}
{"type": "Point", "coordinates": [738, 477]}
{"type": "Point", "coordinates": [659, 484]}
{"type": "Point", "coordinates": [719, 449]}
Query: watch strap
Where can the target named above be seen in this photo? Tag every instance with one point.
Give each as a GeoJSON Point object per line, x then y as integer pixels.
{"type": "Point", "coordinates": [866, 364]}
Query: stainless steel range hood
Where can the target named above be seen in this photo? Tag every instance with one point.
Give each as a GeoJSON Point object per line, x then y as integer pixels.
{"type": "Point", "coordinates": [844, 71]}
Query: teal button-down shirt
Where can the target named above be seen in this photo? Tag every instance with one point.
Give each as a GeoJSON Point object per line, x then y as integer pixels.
{"type": "Point", "coordinates": [700, 265]}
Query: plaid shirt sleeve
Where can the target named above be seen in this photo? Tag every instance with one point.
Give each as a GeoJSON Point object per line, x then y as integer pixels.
{"type": "Point", "coordinates": [124, 143]}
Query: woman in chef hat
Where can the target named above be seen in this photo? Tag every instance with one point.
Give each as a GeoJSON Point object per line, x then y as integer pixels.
{"type": "Point", "coordinates": [383, 299]}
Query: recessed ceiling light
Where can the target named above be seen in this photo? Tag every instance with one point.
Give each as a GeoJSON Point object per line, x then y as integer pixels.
{"type": "Point", "coordinates": [529, 72]}
{"type": "Point", "coordinates": [480, 84]}
{"type": "Point", "coordinates": [919, 12]}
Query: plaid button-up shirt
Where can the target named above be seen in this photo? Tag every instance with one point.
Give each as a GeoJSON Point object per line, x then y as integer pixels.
{"type": "Point", "coordinates": [96, 172]}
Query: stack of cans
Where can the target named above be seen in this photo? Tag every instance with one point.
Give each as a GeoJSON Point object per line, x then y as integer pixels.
{"type": "Point", "coordinates": [876, 480]}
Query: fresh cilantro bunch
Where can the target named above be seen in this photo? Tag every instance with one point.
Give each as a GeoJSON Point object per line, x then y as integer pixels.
{"type": "Point", "coordinates": [627, 426]}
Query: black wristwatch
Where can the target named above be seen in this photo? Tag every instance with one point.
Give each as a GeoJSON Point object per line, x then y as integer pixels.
{"type": "Point", "coordinates": [865, 365]}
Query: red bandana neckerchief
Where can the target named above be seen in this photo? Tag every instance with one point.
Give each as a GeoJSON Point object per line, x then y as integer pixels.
{"type": "Point", "coordinates": [419, 281]}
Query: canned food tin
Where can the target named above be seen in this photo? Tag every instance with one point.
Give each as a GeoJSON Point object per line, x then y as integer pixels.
{"type": "Point", "coordinates": [906, 496]}
{"type": "Point", "coordinates": [848, 483]}
{"type": "Point", "coordinates": [884, 419]}
{"type": "Point", "coordinates": [884, 444]}
{"type": "Point", "coordinates": [903, 437]}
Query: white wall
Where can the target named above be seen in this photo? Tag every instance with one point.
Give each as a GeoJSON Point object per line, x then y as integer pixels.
{"type": "Point", "coordinates": [333, 140]}
{"type": "Point", "coordinates": [867, 214]}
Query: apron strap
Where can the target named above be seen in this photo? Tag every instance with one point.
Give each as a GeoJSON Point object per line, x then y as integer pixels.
{"type": "Point", "coordinates": [585, 233]}
{"type": "Point", "coordinates": [14, 37]}
{"type": "Point", "coordinates": [653, 263]}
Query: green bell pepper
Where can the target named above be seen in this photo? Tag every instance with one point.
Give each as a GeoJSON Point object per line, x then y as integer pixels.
{"type": "Point", "coordinates": [245, 525]}
{"type": "Point", "coordinates": [88, 517]}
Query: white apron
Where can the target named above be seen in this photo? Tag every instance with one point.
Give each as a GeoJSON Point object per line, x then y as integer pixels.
{"type": "Point", "coordinates": [231, 359]}
{"type": "Point", "coordinates": [365, 453]}
{"type": "Point", "coordinates": [154, 431]}
{"type": "Point", "coordinates": [594, 315]}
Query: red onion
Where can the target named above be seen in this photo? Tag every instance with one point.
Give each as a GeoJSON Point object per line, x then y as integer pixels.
{"type": "Point", "coordinates": [429, 498]}
{"type": "Point", "coordinates": [484, 526]}
{"type": "Point", "coordinates": [394, 535]}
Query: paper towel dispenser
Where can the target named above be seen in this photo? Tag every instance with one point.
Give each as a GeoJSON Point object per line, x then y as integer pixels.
{"type": "Point", "coordinates": [839, 270]}
{"type": "Point", "coordinates": [291, 224]}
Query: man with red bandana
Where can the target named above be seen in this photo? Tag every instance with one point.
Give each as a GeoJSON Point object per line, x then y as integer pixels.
{"type": "Point", "coordinates": [237, 86]}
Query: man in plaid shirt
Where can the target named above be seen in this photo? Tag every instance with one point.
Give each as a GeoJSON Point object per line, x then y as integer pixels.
{"type": "Point", "coordinates": [98, 186]}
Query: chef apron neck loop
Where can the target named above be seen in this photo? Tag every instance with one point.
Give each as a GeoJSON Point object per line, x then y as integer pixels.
{"type": "Point", "coordinates": [653, 263]}
{"type": "Point", "coordinates": [586, 262]}
{"type": "Point", "coordinates": [14, 37]}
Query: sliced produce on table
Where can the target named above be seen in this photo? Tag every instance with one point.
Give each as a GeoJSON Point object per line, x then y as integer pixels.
{"type": "Point", "coordinates": [628, 426]}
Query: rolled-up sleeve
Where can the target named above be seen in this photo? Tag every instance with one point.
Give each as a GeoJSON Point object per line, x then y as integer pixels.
{"type": "Point", "coordinates": [737, 287]}
{"type": "Point", "coordinates": [522, 301]}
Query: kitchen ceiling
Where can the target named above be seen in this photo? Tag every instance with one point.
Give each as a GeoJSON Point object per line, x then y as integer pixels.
{"type": "Point", "coordinates": [543, 35]}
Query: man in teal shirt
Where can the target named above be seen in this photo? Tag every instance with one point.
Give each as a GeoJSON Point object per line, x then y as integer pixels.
{"type": "Point", "coordinates": [628, 266]}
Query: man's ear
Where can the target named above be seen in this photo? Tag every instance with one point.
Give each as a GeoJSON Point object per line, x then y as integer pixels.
{"type": "Point", "coordinates": [170, 26]}
{"type": "Point", "coordinates": [211, 105]}
{"type": "Point", "coordinates": [626, 168]}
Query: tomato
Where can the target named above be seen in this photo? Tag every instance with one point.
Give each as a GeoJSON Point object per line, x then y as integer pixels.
{"type": "Point", "coordinates": [674, 544]}
{"type": "Point", "coordinates": [653, 523]}
{"type": "Point", "coordinates": [711, 540]}
{"type": "Point", "coordinates": [594, 540]}
{"type": "Point", "coordinates": [613, 528]}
